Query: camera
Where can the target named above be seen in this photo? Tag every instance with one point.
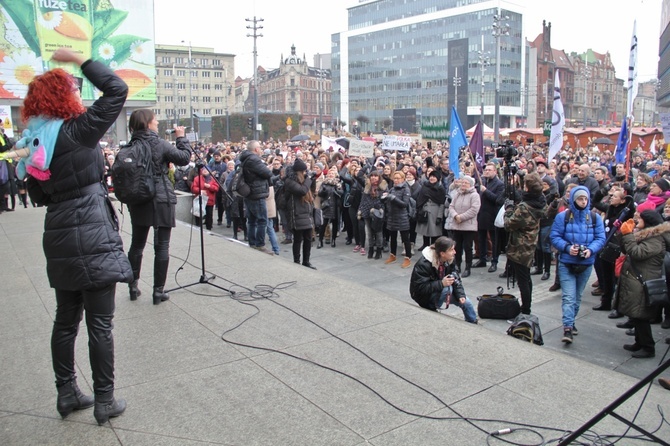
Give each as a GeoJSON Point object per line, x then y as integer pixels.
{"type": "Point", "coordinates": [582, 251]}
{"type": "Point", "coordinates": [506, 150]}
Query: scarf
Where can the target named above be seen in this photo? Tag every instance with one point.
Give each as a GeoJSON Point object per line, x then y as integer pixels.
{"type": "Point", "coordinates": [433, 192]}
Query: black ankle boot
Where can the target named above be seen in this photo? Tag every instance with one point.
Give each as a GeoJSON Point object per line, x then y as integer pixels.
{"type": "Point", "coordinates": [106, 407]}
{"type": "Point", "coordinates": [134, 290]}
{"type": "Point", "coordinates": [320, 244]}
{"type": "Point", "coordinates": [160, 296]}
{"type": "Point", "coordinates": [71, 398]}
{"type": "Point", "coordinates": [332, 242]}
{"type": "Point", "coordinates": [378, 253]}
{"type": "Point", "coordinates": [371, 252]}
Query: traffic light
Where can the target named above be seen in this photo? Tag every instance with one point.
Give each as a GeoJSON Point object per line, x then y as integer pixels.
{"type": "Point", "coordinates": [250, 123]}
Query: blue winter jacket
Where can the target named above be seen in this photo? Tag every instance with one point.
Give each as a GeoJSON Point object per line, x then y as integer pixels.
{"type": "Point", "coordinates": [579, 230]}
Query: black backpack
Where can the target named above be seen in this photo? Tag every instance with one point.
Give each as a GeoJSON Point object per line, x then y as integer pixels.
{"type": "Point", "coordinates": [527, 328]}
{"type": "Point", "coordinates": [133, 173]}
{"type": "Point", "coordinates": [238, 185]}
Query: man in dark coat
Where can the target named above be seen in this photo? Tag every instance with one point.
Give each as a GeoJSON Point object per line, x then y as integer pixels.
{"type": "Point", "coordinates": [257, 175]}
{"type": "Point", "coordinates": [492, 193]}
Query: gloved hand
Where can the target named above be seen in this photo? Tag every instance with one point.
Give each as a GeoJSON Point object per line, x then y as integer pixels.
{"type": "Point", "coordinates": [627, 227]}
{"type": "Point", "coordinates": [439, 222]}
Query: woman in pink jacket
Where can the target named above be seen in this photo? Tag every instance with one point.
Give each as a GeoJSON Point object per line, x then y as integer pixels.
{"type": "Point", "coordinates": [462, 219]}
{"type": "Point", "coordinates": [207, 183]}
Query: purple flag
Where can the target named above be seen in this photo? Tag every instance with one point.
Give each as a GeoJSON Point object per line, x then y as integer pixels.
{"type": "Point", "coordinates": [477, 146]}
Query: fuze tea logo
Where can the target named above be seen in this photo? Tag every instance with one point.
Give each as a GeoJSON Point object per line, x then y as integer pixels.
{"type": "Point", "coordinates": [63, 23]}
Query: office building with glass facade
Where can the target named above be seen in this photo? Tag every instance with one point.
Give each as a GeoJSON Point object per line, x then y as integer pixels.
{"type": "Point", "coordinates": [404, 64]}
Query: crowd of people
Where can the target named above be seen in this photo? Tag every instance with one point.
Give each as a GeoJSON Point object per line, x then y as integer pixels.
{"type": "Point", "coordinates": [577, 213]}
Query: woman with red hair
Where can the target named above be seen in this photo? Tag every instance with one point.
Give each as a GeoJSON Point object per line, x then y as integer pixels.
{"type": "Point", "coordinates": [82, 245]}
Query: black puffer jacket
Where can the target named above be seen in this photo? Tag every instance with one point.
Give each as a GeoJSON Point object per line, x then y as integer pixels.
{"type": "Point", "coordinates": [330, 193]}
{"type": "Point", "coordinates": [81, 238]}
{"type": "Point", "coordinates": [300, 214]}
{"type": "Point", "coordinates": [426, 281]}
{"type": "Point", "coordinates": [256, 174]}
{"type": "Point", "coordinates": [396, 202]}
{"type": "Point", "coordinates": [160, 212]}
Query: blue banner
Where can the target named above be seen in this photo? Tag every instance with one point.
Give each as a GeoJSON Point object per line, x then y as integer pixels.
{"type": "Point", "coordinates": [456, 141]}
{"type": "Point", "coordinates": [622, 143]}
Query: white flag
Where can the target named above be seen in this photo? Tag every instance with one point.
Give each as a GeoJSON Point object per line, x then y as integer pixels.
{"type": "Point", "coordinates": [652, 147]}
{"type": "Point", "coordinates": [632, 70]}
{"type": "Point", "coordinates": [557, 122]}
{"type": "Point", "coordinates": [327, 143]}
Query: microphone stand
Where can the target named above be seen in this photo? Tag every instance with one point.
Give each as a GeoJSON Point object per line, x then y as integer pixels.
{"type": "Point", "coordinates": [203, 273]}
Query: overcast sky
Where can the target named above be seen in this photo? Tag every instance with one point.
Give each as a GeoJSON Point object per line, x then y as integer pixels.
{"type": "Point", "coordinates": [577, 25]}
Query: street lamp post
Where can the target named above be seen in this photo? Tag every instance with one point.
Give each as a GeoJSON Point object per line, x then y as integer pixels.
{"type": "Point", "coordinates": [484, 61]}
{"type": "Point", "coordinates": [190, 84]}
{"type": "Point", "coordinates": [499, 29]}
{"type": "Point", "coordinates": [320, 97]}
{"type": "Point", "coordinates": [227, 86]}
{"type": "Point", "coordinates": [255, 27]}
{"type": "Point", "coordinates": [587, 71]}
{"type": "Point", "coordinates": [457, 83]}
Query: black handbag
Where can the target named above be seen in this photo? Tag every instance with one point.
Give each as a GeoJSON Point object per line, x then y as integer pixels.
{"type": "Point", "coordinates": [498, 306]}
{"type": "Point", "coordinates": [655, 290]}
{"type": "Point", "coordinates": [422, 216]}
{"type": "Point", "coordinates": [610, 252]}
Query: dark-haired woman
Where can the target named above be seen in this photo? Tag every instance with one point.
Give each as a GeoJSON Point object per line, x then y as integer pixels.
{"type": "Point", "coordinates": [82, 245]}
{"type": "Point", "coordinates": [158, 213]}
{"type": "Point", "coordinates": [300, 210]}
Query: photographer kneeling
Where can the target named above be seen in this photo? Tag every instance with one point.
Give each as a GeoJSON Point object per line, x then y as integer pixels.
{"type": "Point", "coordinates": [435, 280]}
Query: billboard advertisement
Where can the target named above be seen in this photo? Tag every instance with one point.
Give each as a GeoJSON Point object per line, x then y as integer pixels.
{"type": "Point", "coordinates": [118, 33]}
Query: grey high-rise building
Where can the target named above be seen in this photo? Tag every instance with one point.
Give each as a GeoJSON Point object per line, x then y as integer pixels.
{"type": "Point", "coordinates": [403, 65]}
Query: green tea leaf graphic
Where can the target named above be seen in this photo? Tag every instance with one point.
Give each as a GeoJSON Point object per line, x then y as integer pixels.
{"type": "Point", "coordinates": [23, 15]}
{"type": "Point", "coordinates": [105, 23]}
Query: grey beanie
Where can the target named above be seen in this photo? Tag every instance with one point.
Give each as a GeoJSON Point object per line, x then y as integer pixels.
{"type": "Point", "coordinates": [580, 193]}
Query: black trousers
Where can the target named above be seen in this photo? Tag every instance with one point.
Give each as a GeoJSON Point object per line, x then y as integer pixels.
{"type": "Point", "coordinates": [99, 305]}
{"type": "Point", "coordinates": [643, 336]}
{"type": "Point", "coordinates": [464, 241]}
{"type": "Point", "coordinates": [404, 237]}
{"type": "Point", "coordinates": [356, 226]}
{"type": "Point", "coordinates": [334, 226]}
{"type": "Point", "coordinates": [161, 252]}
{"type": "Point", "coordinates": [525, 284]}
{"type": "Point", "coordinates": [302, 237]}
{"type": "Point", "coordinates": [606, 281]}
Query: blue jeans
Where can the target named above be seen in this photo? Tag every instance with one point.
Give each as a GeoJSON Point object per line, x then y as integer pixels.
{"type": "Point", "coordinates": [572, 287]}
{"type": "Point", "coordinates": [257, 221]}
{"type": "Point", "coordinates": [467, 307]}
{"type": "Point", "coordinates": [272, 236]}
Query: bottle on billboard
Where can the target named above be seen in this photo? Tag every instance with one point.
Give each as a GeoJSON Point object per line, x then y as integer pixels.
{"type": "Point", "coordinates": [65, 24]}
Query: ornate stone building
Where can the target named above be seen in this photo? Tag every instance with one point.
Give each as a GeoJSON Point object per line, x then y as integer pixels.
{"type": "Point", "coordinates": [295, 87]}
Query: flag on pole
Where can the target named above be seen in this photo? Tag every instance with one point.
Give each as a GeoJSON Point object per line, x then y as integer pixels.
{"type": "Point", "coordinates": [456, 141]}
{"type": "Point", "coordinates": [632, 70]}
{"type": "Point", "coordinates": [477, 146]}
{"type": "Point", "coordinates": [557, 121]}
{"type": "Point", "coordinates": [622, 143]}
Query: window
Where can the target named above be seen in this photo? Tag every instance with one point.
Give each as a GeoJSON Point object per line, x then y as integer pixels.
{"type": "Point", "coordinates": [181, 98]}
{"type": "Point", "coordinates": [218, 74]}
{"type": "Point", "coordinates": [181, 86]}
{"type": "Point", "coordinates": [179, 60]}
{"type": "Point", "coordinates": [168, 98]}
{"type": "Point", "coordinates": [218, 100]}
{"type": "Point", "coordinates": [182, 111]}
{"type": "Point", "coordinates": [206, 87]}
{"type": "Point", "coordinates": [158, 98]}
{"type": "Point", "coordinates": [216, 62]}
{"type": "Point", "coordinates": [206, 112]}
{"type": "Point", "coordinates": [166, 85]}
{"type": "Point", "coordinates": [292, 82]}
{"type": "Point", "coordinates": [169, 112]}
{"type": "Point", "coordinates": [204, 62]}
{"type": "Point", "coordinates": [167, 72]}
{"type": "Point", "coordinates": [181, 73]}
{"type": "Point", "coordinates": [158, 85]}
{"type": "Point", "coordinates": [165, 59]}
{"type": "Point", "coordinates": [206, 99]}
{"type": "Point", "coordinates": [218, 111]}
{"type": "Point", "coordinates": [157, 111]}
{"type": "Point", "coordinates": [194, 73]}
{"type": "Point", "coordinates": [194, 99]}
{"type": "Point", "coordinates": [206, 74]}
{"type": "Point", "coordinates": [195, 86]}
{"type": "Point", "coordinates": [218, 87]}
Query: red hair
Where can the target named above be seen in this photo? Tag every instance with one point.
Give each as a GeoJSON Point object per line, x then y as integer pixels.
{"type": "Point", "coordinates": [52, 95]}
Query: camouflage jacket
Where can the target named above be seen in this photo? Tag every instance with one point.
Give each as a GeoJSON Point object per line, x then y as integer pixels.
{"type": "Point", "coordinates": [522, 223]}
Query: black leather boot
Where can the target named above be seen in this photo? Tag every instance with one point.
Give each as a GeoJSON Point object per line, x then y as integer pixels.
{"type": "Point", "coordinates": [320, 244]}
{"type": "Point", "coordinates": [71, 398]}
{"type": "Point", "coordinates": [371, 252]}
{"type": "Point", "coordinates": [332, 242]}
{"type": "Point", "coordinates": [106, 407]}
{"type": "Point", "coordinates": [378, 253]}
{"type": "Point", "coordinates": [466, 272]}
{"type": "Point", "coordinates": [159, 295]}
{"type": "Point", "coordinates": [134, 290]}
